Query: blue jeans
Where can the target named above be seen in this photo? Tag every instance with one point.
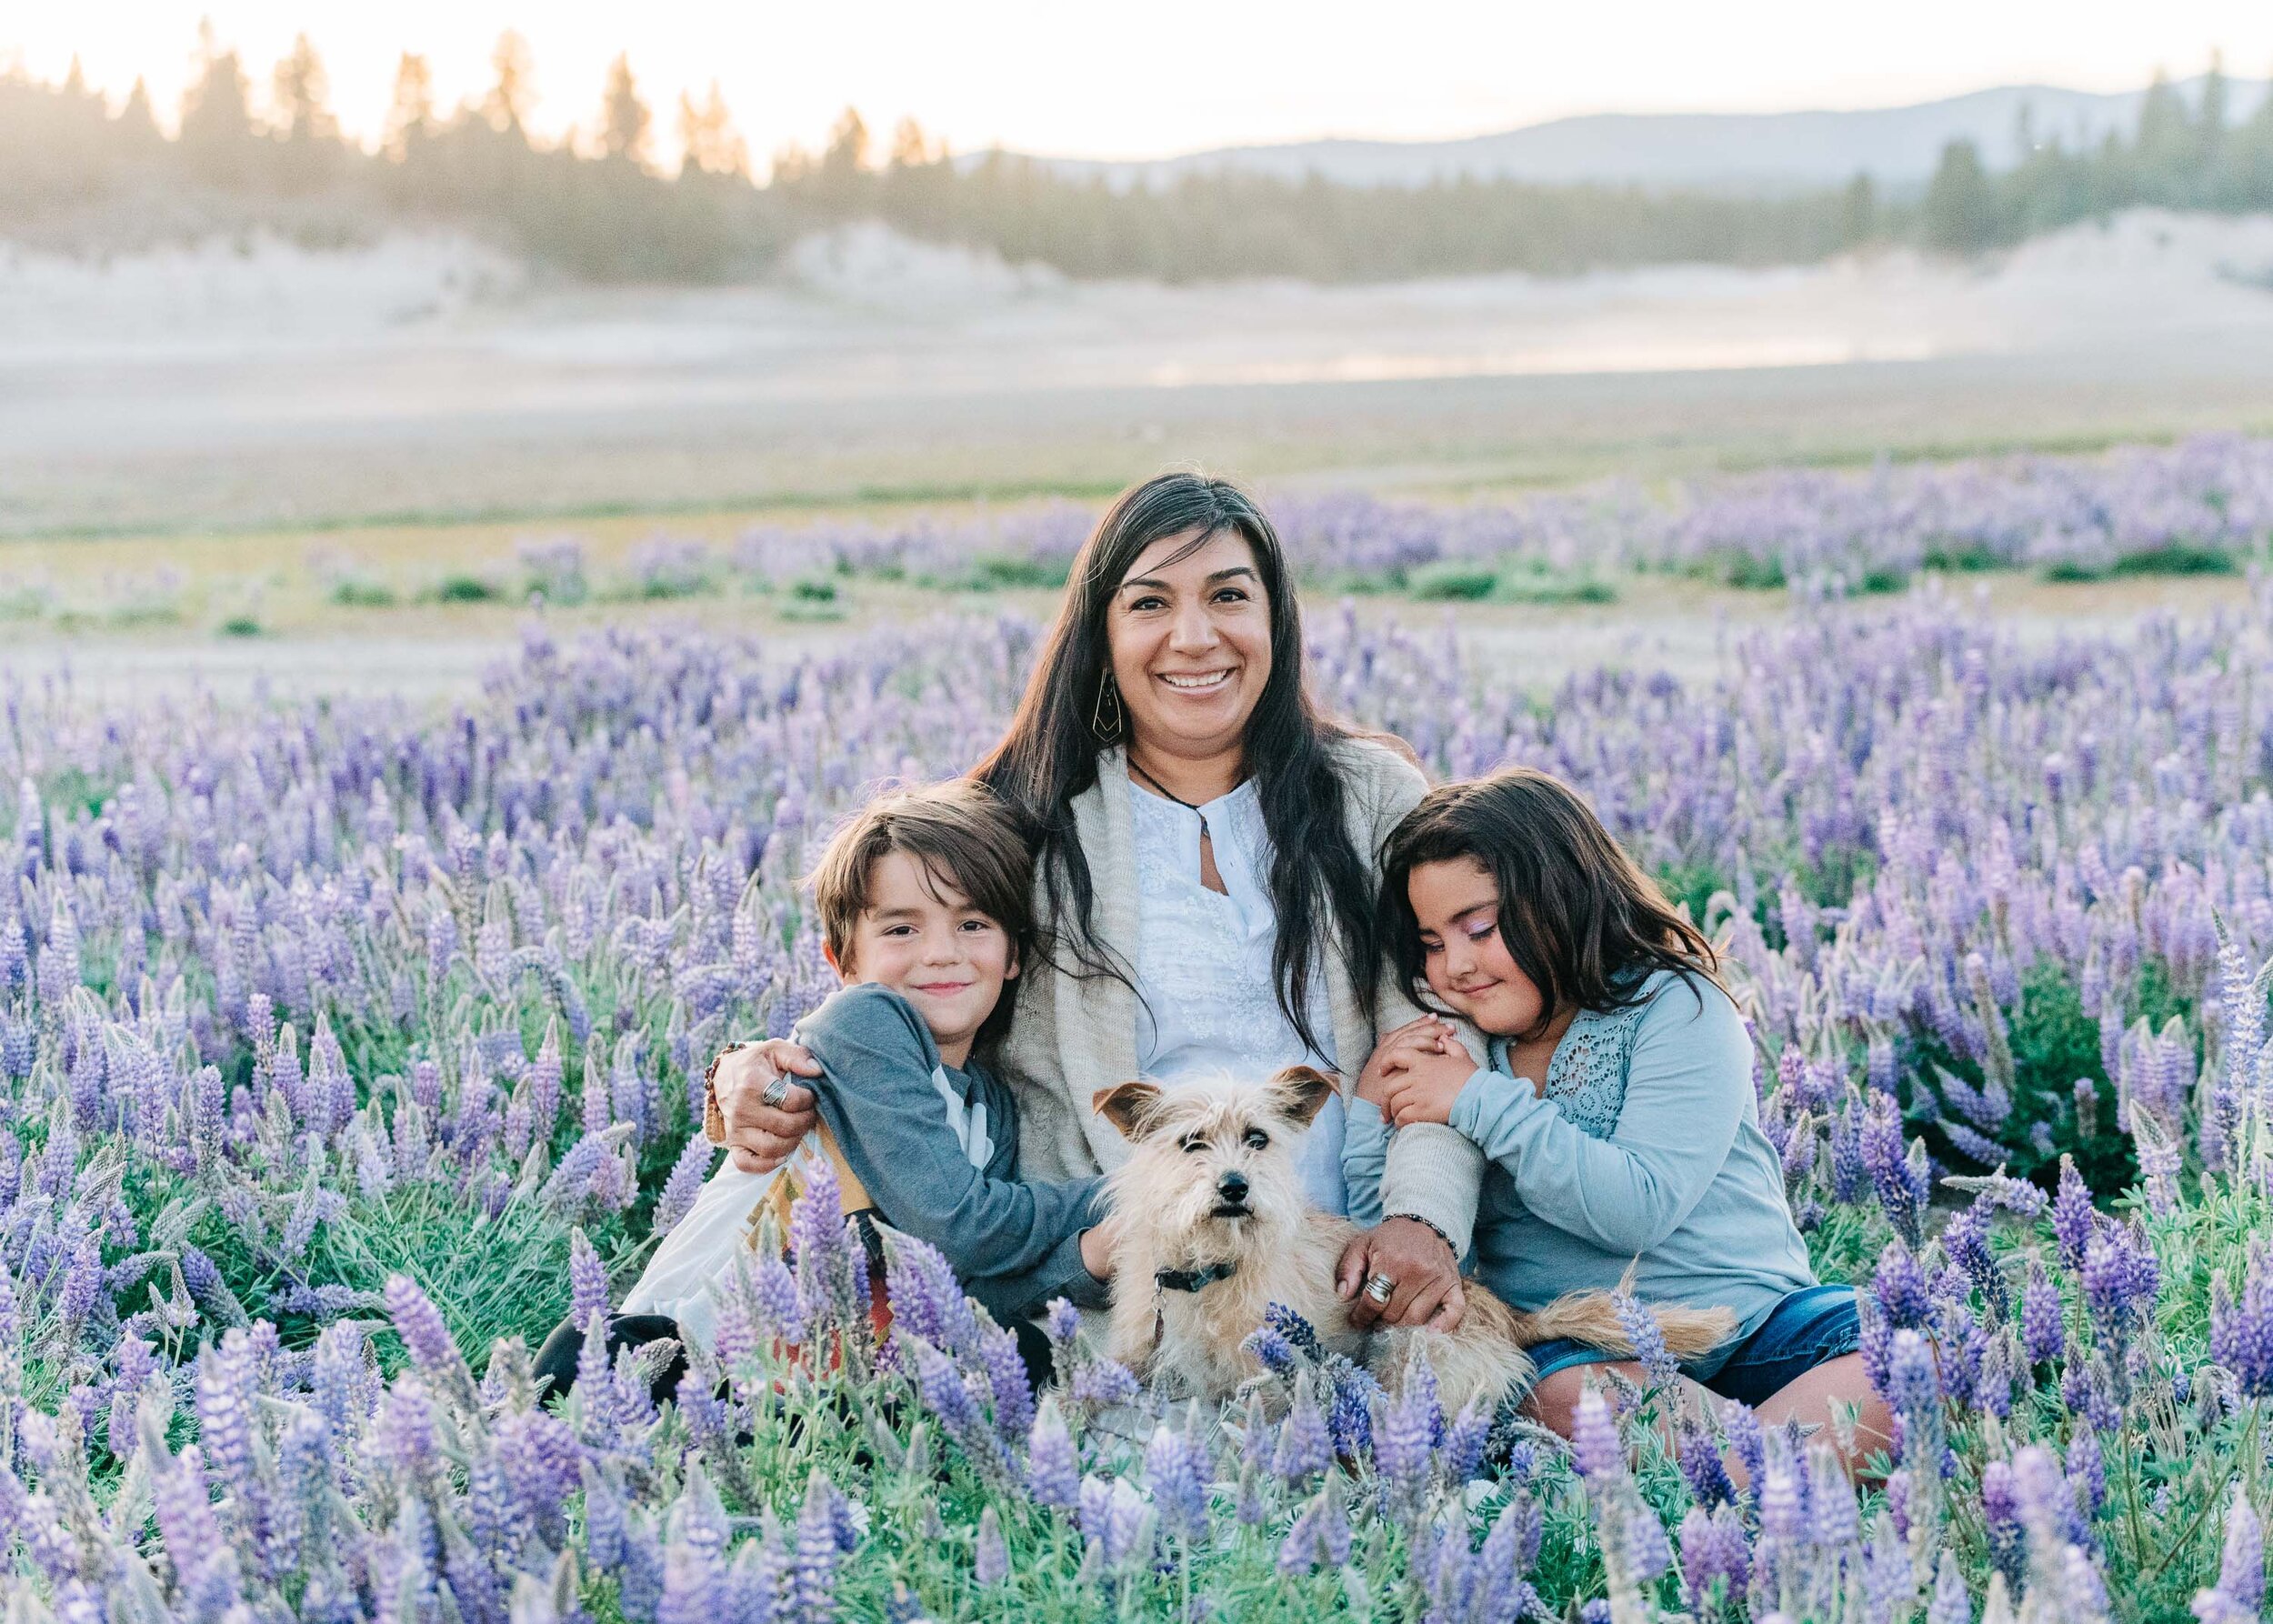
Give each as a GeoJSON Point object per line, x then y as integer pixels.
{"type": "Point", "coordinates": [1812, 1326]}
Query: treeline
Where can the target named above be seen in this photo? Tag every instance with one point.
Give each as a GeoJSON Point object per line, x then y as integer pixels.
{"type": "Point", "coordinates": [2180, 156]}
{"type": "Point", "coordinates": [73, 174]}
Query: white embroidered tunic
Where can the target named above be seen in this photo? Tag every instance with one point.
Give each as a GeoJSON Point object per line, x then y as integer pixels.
{"type": "Point", "coordinates": [1206, 1000]}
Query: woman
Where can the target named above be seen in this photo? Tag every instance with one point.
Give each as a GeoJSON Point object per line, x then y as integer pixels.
{"type": "Point", "coordinates": [1205, 855]}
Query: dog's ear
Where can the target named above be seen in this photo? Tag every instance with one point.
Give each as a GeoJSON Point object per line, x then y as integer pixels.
{"type": "Point", "coordinates": [1127, 1106]}
{"type": "Point", "coordinates": [1304, 1091]}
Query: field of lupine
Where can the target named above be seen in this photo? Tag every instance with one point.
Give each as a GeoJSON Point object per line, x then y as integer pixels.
{"type": "Point", "coordinates": [347, 1046]}
{"type": "Point", "coordinates": [2204, 507]}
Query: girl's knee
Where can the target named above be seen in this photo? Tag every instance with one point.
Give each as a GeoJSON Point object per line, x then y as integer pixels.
{"type": "Point", "coordinates": [1553, 1402]}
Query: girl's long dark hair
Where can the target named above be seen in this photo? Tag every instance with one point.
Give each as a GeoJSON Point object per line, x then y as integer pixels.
{"type": "Point", "coordinates": [1049, 755]}
{"type": "Point", "coordinates": [1576, 914]}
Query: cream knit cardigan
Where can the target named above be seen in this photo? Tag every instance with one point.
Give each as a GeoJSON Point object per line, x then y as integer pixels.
{"type": "Point", "coordinates": [1071, 1037]}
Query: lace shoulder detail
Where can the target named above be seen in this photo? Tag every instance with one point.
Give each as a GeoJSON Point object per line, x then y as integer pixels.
{"type": "Point", "coordinates": [1586, 1077]}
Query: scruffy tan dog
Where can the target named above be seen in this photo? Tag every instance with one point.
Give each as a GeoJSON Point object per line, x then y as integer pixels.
{"type": "Point", "coordinates": [1213, 1227]}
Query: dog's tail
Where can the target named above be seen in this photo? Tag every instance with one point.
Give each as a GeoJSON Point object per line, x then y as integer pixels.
{"type": "Point", "coordinates": [1591, 1319]}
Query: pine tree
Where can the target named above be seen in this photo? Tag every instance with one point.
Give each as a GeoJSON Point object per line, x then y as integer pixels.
{"type": "Point", "coordinates": [217, 138]}
{"type": "Point", "coordinates": [623, 117]}
{"type": "Point", "coordinates": [302, 91]}
{"type": "Point", "coordinates": [709, 142]}
{"type": "Point", "coordinates": [513, 86]}
{"type": "Point", "coordinates": [410, 110]}
{"type": "Point", "coordinates": [1961, 209]}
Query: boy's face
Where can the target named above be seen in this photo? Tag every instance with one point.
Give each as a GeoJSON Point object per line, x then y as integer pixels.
{"type": "Point", "coordinates": [920, 937]}
{"type": "Point", "coordinates": [1468, 966]}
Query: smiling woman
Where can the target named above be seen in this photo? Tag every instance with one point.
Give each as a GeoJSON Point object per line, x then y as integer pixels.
{"type": "Point", "coordinates": [1204, 843]}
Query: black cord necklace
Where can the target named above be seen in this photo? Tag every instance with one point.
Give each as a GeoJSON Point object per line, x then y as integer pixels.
{"type": "Point", "coordinates": [1172, 794]}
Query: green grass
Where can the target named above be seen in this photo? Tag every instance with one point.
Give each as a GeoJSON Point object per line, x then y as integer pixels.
{"type": "Point", "coordinates": [465, 589]}
{"type": "Point", "coordinates": [242, 626]}
{"type": "Point", "coordinates": [357, 592]}
{"type": "Point", "coordinates": [2181, 560]}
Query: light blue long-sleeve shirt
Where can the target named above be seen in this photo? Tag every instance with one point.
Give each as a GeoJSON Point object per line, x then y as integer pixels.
{"type": "Point", "coordinates": [1646, 1149]}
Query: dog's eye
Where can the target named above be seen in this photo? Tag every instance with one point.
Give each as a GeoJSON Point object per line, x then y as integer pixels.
{"type": "Point", "coordinates": [1193, 1146]}
{"type": "Point", "coordinates": [1257, 1138]}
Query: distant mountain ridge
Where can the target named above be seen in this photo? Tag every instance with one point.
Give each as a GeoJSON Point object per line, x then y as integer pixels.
{"type": "Point", "coordinates": [1750, 152]}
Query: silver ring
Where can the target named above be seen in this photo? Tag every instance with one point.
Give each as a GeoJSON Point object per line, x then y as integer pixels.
{"type": "Point", "coordinates": [1380, 1288]}
{"type": "Point", "coordinates": [777, 1091]}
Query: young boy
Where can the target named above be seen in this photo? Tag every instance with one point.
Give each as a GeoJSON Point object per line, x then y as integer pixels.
{"type": "Point", "coordinates": [926, 905]}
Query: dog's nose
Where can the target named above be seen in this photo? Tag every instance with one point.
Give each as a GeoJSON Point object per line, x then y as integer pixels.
{"type": "Point", "coordinates": [1232, 1186]}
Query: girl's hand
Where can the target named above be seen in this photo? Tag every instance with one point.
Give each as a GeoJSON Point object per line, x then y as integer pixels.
{"type": "Point", "coordinates": [1428, 1035]}
{"type": "Point", "coordinates": [1421, 1087]}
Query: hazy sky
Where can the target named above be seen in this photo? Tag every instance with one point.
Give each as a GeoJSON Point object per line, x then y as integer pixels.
{"type": "Point", "coordinates": [1077, 77]}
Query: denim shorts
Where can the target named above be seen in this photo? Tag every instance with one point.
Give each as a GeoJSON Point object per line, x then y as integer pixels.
{"type": "Point", "coordinates": [1811, 1326]}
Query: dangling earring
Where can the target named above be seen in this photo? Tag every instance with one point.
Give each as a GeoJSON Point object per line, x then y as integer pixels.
{"type": "Point", "coordinates": [1104, 718]}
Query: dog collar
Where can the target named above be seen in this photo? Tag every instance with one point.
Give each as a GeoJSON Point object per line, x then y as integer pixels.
{"type": "Point", "coordinates": [1193, 1279]}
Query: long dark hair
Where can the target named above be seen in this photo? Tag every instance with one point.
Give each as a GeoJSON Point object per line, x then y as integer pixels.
{"type": "Point", "coordinates": [1049, 755]}
{"type": "Point", "coordinates": [1576, 914]}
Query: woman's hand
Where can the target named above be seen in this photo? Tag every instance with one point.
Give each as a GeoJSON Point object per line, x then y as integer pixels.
{"type": "Point", "coordinates": [1420, 1264]}
{"type": "Point", "coordinates": [760, 1137]}
{"type": "Point", "coordinates": [1427, 1035]}
{"type": "Point", "coordinates": [1421, 1088]}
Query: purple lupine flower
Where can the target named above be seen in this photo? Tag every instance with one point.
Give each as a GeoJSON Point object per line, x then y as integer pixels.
{"type": "Point", "coordinates": [1950, 1603]}
{"type": "Point", "coordinates": [1053, 1470]}
{"type": "Point", "coordinates": [1642, 1329]}
{"type": "Point", "coordinates": [1647, 1552]}
{"type": "Point", "coordinates": [1713, 1550]}
{"type": "Point", "coordinates": [587, 1281]}
{"type": "Point", "coordinates": [1965, 1238]}
{"type": "Point", "coordinates": [940, 1382]}
{"type": "Point", "coordinates": [2046, 1501]}
{"type": "Point", "coordinates": [2043, 1323]}
{"type": "Point", "coordinates": [1007, 1381]}
{"type": "Point", "coordinates": [1129, 1524]}
{"type": "Point", "coordinates": [692, 1578]}
{"type": "Point", "coordinates": [2241, 1332]}
{"type": "Point", "coordinates": [2073, 1219]}
{"type": "Point", "coordinates": [1403, 1446]}
{"type": "Point", "coordinates": [1465, 1441]}
{"type": "Point", "coordinates": [1176, 1472]}
{"type": "Point", "coordinates": [2119, 1279]}
{"type": "Point", "coordinates": [1740, 1424]}
{"type": "Point", "coordinates": [1304, 1447]}
{"type": "Point", "coordinates": [1913, 1388]}
{"type": "Point", "coordinates": [1320, 1536]}
{"type": "Point", "coordinates": [990, 1557]}
{"type": "Point", "coordinates": [1351, 1396]}
{"type": "Point", "coordinates": [1892, 1173]}
{"type": "Point", "coordinates": [773, 1290]}
{"type": "Point", "coordinates": [405, 1430]}
{"type": "Point", "coordinates": [2238, 1596]}
{"type": "Point", "coordinates": [814, 1577]}
{"type": "Point", "coordinates": [685, 1184]}
{"type": "Point", "coordinates": [423, 1329]}
{"type": "Point", "coordinates": [1103, 1382]}
{"type": "Point", "coordinates": [926, 1299]}
{"type": "Point", "coordinates": [1596, 1447]}
{"type": "Point", "coordinates": [1271, 1349]}
{"type": "Point", "coordinates": [1905, 1296]}
{"type": "Point", "coordinates": [1702, 1467]}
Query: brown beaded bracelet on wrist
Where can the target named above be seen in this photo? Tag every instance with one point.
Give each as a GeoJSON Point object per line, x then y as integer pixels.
{"type": "Point", "coordinates": [713, 1118]}
{"type": "Point", "coordinates": [1432, 1229]}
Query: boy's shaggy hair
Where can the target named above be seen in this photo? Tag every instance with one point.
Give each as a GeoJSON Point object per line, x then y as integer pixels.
{"type": "Point", "coordinates": [964, 838]}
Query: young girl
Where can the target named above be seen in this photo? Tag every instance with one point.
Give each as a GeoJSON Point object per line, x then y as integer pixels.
{"type": "Point", "coordinates": [1617, 1113]}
